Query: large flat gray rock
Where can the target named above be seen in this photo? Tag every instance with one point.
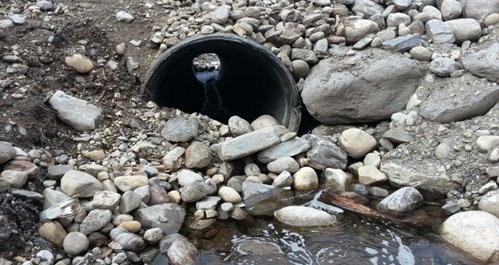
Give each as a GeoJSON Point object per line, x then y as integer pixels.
{"type": "Point", "coordinates": [75, 112]}
{"type": "Point", "coordinates": [247, 144]}
{"type": "Point", "coordinates": [285, 149]}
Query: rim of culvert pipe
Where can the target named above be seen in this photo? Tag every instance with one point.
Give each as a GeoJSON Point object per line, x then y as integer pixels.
{"type": "Point", "coordinates": [292, 117]}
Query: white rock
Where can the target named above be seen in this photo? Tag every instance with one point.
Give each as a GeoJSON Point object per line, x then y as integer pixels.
{"type": "Point", "coordinates": [126, 183]}
{"type": "Point", "coordinates": [370, 175]}
{"type": "Point", "coordinates": [336, 179]}
{"type": "Point", "coordinates": [75, 243]}
{"type": "Point", "coordinates": [77, 113]}
{"type": "Point", "coordinates": [490, 203]}
{"type": "Point", "coordinates": [356, 142]}
{"type": "Point", "coordinates": [229, 194]}
{"type": "Point", "coordinates": [80, 184]}
{"type": "Point", "coordinates": [305, 179]}
{"type": "Point", "coordinates": [123, 16]}
{"type": "Point", "coordinates": [303, 216]}
{"type": "Point", "coordinates": [487, 142]}
{"type": "Point", "coordinates": [283, 164]}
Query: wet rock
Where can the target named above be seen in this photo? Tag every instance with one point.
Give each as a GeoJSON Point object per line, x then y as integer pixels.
{"type": "Point", "coordinates": [336, 179]}
{"type": "Point", "coordinates": [256, 192]}
{"type": "Point", "coordinates": [168, 216]}
{"type": "Point", "coordinates": [302, 216]}
{"type": "Point", "coordinates": [490, 203]}
{"type": "Point", "coordinates": [180, 129]}
{"type": "Point", "coordinates": [127, 240]}
{"type": "Point", "coordinates": [239, 126]}
{"type": "Point", "coordinates": [474, 232]}
{"type": "Point", "coordinates": [356, 29]}
{"type": "Point", "coordinates": [305, 179]}
{"type": "Point", "coordinates": [75, 243]}
{"type": "Point", "coordinates": [455, 102]}
{"type": "Point", "coordinates": [451, 9]}
{"type": "Point", "coordinates": [283, 164]}
{"type": "Point", "coordinates": [285, 149]}
{"type": "Point", "coordinates": [247, 144]}
{"type": "Point", "coordinates": [228, 194]}
{"type": "Point", "coordinates": [324, 153]}
{"type": "Point", "coordinates": [402, 201]}
{"type": "Point", "coordinates": [356, 142]}
{"type": "Point", "coordinates": [53, 232]}
{"type": "Point", "coordinates": [198, 155]}
{"type": "Point", "coordinates": [95, 220]}
{"type": "Point", "coordinates": [75, 112]}
{"type": "Point", "coordinates": [484, 63]}
{"type": "Point", "coordinates": [80, 184]}
{"type": "Point", "coordinates": [126, 183]}
{"type": "Point", "coordinates": [439, 32]}
{"type": "Point", "coordinates": [478, 9]}
{"type": "Point", "coordinates": [6, 152]}
{"type": "Point", "coordinates": [444, 66]}
{"type": "Point", "coordinates": [340, 92]}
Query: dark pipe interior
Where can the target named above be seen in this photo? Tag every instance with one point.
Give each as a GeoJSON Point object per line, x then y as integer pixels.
{"type": "Point", "coordinates": [252, 81]}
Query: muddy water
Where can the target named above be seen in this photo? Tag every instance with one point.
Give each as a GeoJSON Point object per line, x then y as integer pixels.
{"type": "Point", "coordinates": [353, 240]}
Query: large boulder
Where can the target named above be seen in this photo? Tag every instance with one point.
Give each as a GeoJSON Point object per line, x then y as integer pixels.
{"type": "Point", "coordinates": [484, 63]}
{"type": "Point", "coordinates": [377, 85]}
{"type": "Point", "coordinates": [475, 232]}
{"type": "Point", "coordinates": [459, 98]}
{"type": "Point", "coordinates": [480, 8]}
{"type": "Point", "coordinates": [75, 112]}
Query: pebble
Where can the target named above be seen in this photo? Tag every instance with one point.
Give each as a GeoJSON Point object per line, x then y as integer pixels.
{"type": "Point", "coordinates": [123, 16]}
{"type": "Point", "coordinates": [79, 63]}
{"type": "Point", "coordinates": [369, 175]}
{"type": "Point", "coordinates": [305, 179]}
{"type": "Point", "coordinates": [283, 164]}
{"type": "Point", "coordinates": [228, 194]}
{"type": "Point", "coordinates": [80, 184]}
{"type": "Point", "coordinates": [53, 232]}
{"type": "Point", "coordinates": [356, 142]}
{"type": "Point", "coordinates": [75, 243]}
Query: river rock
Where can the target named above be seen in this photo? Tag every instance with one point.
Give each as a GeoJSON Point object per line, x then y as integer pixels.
{"type": "Point", "coordinates": [182, 252]}
{"type": "Point", "coordinates": [123, 16]}
{"type": "Point", "coordinates": [247, 144]}
{"type": "Point", "coordinates": [465, 29]}
{"type": "Point", "coordinates": [356, 142]}
{"type": "Point", "coordinates": [6, 152]}
{"type": "Point", "coordinates": [283, 164]}
{"type": "Point", "coordinates": [305, 179]}
{"type": "Point", "coordinates": [366, 7]}
{"type": "Point", "coordinates": [75, 243]}
{"type": "Point", "coordinates": [229, 194]}
{"type": "Point", "coordinates": [53, 232]}
{"type": "Point", "coordinates": [444, 66]}
{"type": "Point", "coordinates": [369, 175]}
{"type": "Point", "coordinates": [454, 102]}
{"type": "Point", "coordinates": [484, 63]}
{"type": "Point", "coordinates": [221, 14]}
{"type": "Point", "coordinates": [75, 112]}
{"type": "Point", "coordinates": [239, 126]}
{"type": "Point", "coordinates": [126, 183]}
{"type": "Point", "coordinates": [198, 155]}
{"type": "Point", "coordinates": [171, 159]}
{"type": "Point", "coordinates": [490, 203]}
{"type": "Point", "coordinates": [130, 201]}
{"type": "Point", "coordinates": [79, 63]}
{"type": "Point", "coordinates": [283, 180]}
{"type": "Point", "coordinates": [197, 190]}
{"type": "Point", "coordinates": [95, 220]}
{"type": "Point", "coordinates": [404, 43]}
{"type": "Point", "coordinates": [167, 216]}
{"type": "Point", "coordinates": [485, 143]}
{"type": "Point", "coordinates": [421, 53]}
{"type": "Point", "coordinates": [14, 178]}
{"type": "Point", "coordinates": [479, 9]}
{"type": "Point", "coordinates": [402, 201]}
{"type": "Point", "coordinates": [264, 121]}
{"type": "Point", "coordinates": [439, 32]}
{"type": "Point", "coordinates": [475, 232]}
{"type": "Point", "coordinates": [105, 200]}
{"type": "Point", "coordinates": [336, 179]}
{"type": "Point", "coordinates": [127, 240]}
{"type": "Point", "coordinates": [339, 92]}
{"type": "Point", "coordinates": [395, 19]}
{"type": "Point", "coordinates": [186, 177]}
{"type": "Point", "coordinates": [451, 9]}
{"type": "Point", "coordinates": [303, 216]}
{"type": "Point", "coordinates": [180, 129]}
{"type": "Point", "coordinates": [80, 184]}
{"type": "Point", "coordinates": [289, 148]}
{"type": "Point", "coordinates": [356, 29]}
{"type": "Point", "coordinates": [324, 153]}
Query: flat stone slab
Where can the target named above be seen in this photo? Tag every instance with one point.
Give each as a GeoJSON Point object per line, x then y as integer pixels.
{"type": "Point", "coordinates": [75, 112]}
{"type": "Point", "coordinates": [247, 144]}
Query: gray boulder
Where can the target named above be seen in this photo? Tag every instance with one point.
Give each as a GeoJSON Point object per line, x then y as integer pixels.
{"type": "Point", "coordinates": [324, 153]}
{"type": "Point", "coordinates": [75, 112]}
{"type": "Point", "coordinates": [247, 144]}
{"type": "Point", "coordinates": [180, 129]}
{"type": "Point", "coordinates": [167, 216]}
{"type": "Point", "coordinates": [484, 63]}
{"type": "Point", "coordinates": [453, 101]}
{"type": "Point", "coordinates": [479, 9]}
{"type": "Point", "coordinates": [6, 152]}
{"type": "Point", "coordinates": [366, 7]}
{"type": "Point", "coordinates": [379, 85]}
{"type": "Point", "coordinates": [444, 66]}
{"type": "Point", "coordinates": [402, 201]}
{"type": "Point", "coordinates": [285, 149]}
{"type": "Point", "coordinates": [439, 32]}
{"type": "Point", "coordinates": [490, 203]}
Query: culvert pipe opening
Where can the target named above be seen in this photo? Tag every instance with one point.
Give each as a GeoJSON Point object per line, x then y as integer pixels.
{"type": "Point", "coordinates": [222, 75]}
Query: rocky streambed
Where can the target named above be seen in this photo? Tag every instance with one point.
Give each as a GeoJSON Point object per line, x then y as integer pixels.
{"type": "Point", "coordinates": [401, 170]}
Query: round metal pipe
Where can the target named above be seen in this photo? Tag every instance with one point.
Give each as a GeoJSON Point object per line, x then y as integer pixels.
{"type": "Point", "coordinates": [252, 80]}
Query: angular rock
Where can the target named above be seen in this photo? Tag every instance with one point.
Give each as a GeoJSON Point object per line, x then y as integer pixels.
{"type": "Point", "coordinates": [105, 200]}
{"type": "Point", "coordinates": [444, 66]}
{"type": "Point", "coordinates": [324, 153]}
{"type": "Point", "coordinates": [130, 201]}
{"type": "Point", "coordinates": [402, 201]}
{"type": "Point", "coordinates": [198, 155]}
{"type": "Point", "coordinates": [75, 112]}
{"type": "Point", "coordinates": [484, 63]}
{"type": "Point", "coordinates": [80, 184]}
{"type": "Point", "coordinates": [369, 175]}
{"type": "Point", "coordinates": [303, 216]}
{"type": "Point", "coordinates": [336, 179]}
{"type": "Point", "coordinates": [57, 171]}
{"type": "Point", "coordinates": [182, 252]}
{"type": "Point", "coordinates": [285, 149]}
{"type": "Point", "coordinates": [459, 98]}
{"type": "Point", "coordinates": [168, 216]}
{"type": "Point", "coordinates": [186, 177]}
{"type": "Point", "coordinates": [197, 190]}
{"type": "Point", "coordinates": [255, 192]}
{"type": "Point", "coordinates": [404, 43]}
{"type": "Point", "coordinates": [247, 144]}
{"type": "Point", "coordinates": [439, 32]}
{"type": "Point", "coordinates": [95, 220]}
{"type": "Point", "coordinates": [366, 7]}
{"type": "Point", "coordinates": [474, 232]}
{"type": "Point", "coordinates": [338, 92]}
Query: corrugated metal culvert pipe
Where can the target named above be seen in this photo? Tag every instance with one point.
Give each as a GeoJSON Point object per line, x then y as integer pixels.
{"type": "Point", "coordinates": [249, 81]}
